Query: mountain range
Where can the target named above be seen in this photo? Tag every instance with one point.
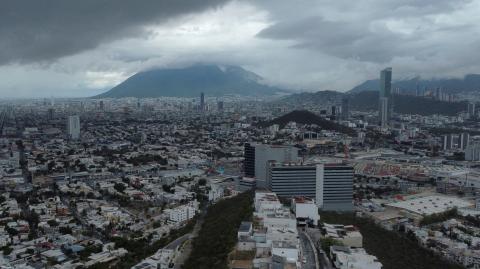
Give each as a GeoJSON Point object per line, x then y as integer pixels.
{"type": "Point", "coordinates": [213, 80]}
{"type": "Point", "coordinates": [368, 101]}
{"type": "Point", "coordinates": [218, 80]}
{"type": "Point", "coordinates": [407, 104]}
{"type": "Point", "coordinates": [470, 82]}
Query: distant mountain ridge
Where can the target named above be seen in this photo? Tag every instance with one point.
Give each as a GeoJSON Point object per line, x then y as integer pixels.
{"type": "Point", "coordinates": [313, 97]}
{"type": "Point", "coordinates": [213, 80]}
{"type": "Point", "coordinates": [368, 101]}
{"type": "Point", "coordinates": [407, 104]}
{"type": "Point", "coordinates": [470, 82]}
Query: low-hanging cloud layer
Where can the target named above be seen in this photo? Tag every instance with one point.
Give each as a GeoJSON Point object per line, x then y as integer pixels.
{"type": "Point", "coordinates": [79, 48]}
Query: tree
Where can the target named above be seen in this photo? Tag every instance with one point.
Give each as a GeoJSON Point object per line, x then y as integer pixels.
{"type": "Point", "coordinates": [7, 250]}
{"type": "Point", "coordinates": [168, 188]}
{"type": "Point", "coordinates": [119, 187]}
{"type": "Point", "coordinates": [65, 230]}
{"type": "Point", "coordinates": [326, 243]}
{"type": "Point", "coordinates": [82, 167]}
{"type": "Point", "coordinates": [19, 144]}
{"type": "Point", "coordinates": [52, 223]}
{"type": "Point", "coordinates": [390, 247]}
{"type": "Point", "coordinates": [50, 165]}
{"type": "Point", "coordinates": [89, 250]}
{"type": "Point", "coordinates": [12, 231]}
{"type": "Point", "coordinates": [434, 218]}
{"type": "Point", "coordinates": [32, 218]}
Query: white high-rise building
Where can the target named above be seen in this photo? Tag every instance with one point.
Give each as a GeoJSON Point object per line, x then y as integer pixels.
{"type": "Point", "coordinates": [472, 151]}
{"type": "Point", "coordinates": [73, 127]}
{"type": "Point", "coordinates": [334, 187]}
{"type": "Point", "coordinates": [331, 185]}
{"type": "Point", "coordinates": [184, 212]}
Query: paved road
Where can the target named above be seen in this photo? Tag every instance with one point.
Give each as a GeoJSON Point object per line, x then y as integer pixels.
{"type": "Point", "coordinates": [187, 247]}
{"type": "Point", "coordinates": [183, 255]}
{"type": "Point", "coordinates": [177, 242]}
{"type": "Point", "coordinates": [324, 262]}
{"type": "Point", "coordinates": [308, 252]}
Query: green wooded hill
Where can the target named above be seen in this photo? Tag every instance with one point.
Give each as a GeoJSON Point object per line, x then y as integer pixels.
{"type": "Point", "coordinates": [307, 117]}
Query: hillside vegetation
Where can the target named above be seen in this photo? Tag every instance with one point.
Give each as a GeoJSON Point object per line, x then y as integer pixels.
{"type": "Point", "coordinates": [218, 234]}
{"type": "Point", "coordinates": [307, 117]}
{"type": "Point", "coordinates": [394, 250]}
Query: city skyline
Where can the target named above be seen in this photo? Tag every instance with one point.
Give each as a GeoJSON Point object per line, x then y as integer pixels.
{"type": "Point", "coordinates": [149, 182]}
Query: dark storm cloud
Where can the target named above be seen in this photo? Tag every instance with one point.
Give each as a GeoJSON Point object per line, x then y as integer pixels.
{"type": "Point", "coordinates": [301, 44]}
{"type": "Point", "coordinates": [43, 30]}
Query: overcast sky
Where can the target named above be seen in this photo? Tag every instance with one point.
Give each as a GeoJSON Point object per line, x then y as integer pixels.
{"type": "Point", "coordinates": [80, 48]}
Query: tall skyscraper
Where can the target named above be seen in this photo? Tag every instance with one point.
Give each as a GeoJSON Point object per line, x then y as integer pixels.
{"type": "Point", "coordinates": [51, 113]}
{"type": "Point", "coordinates": [202, 101]}
{"type": "Point", "coordinates": [345, 108]}
{"type": "Point", "coordinates": [471, 110]}
{"type": "Point", "coordinates": [449, 142]}
{"type": "Point", "coordinates": [385, 100]}
{"type": "Point", "coordinates": [334, 111]}
{"type": "Point", "coordinates": [472, 152]}
{"type": "Point", "coordinates": [249, 160]}
{"type": "Point", "coordinates": [220, 106]}
{"type": "Point", "coordinates": [445, 142]}
{"type": "Point", "coordinates": [73, 127]}
{"type": "Point", "coordinates": [438, 94]}
{"type": "Point", "coordinates": [383, 112]}
{"type": "Point", "coordinates": [463, 140]}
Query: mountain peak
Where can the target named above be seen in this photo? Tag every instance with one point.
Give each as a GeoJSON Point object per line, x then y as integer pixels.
{"type": "Point", "coordinates": [213, 80]}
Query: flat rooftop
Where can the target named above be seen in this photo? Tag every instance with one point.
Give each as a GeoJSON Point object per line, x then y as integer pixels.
{"type": "Point", "coordinates": [245, 226]}
{"type": "Point", "coordinates": [431, 204]}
